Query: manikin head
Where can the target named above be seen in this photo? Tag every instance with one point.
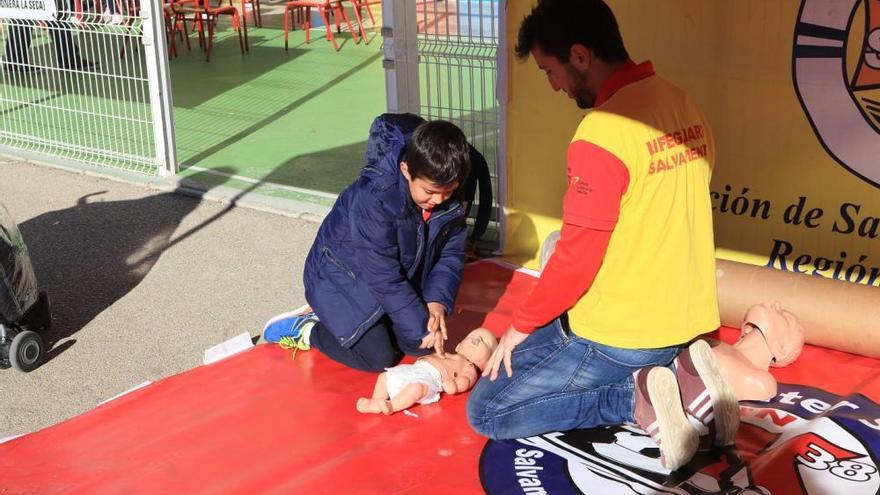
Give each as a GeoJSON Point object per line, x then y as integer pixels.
{"type": "Point", "coordinates": [477, 346]}
{"type": "Point", "coordinates": [781, 329]}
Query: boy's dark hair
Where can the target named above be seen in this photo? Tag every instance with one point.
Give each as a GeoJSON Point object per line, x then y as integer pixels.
{"type": "Point", "coordinates": [555, 25]}
{"type": "Point", "coordinates": [438, 151]}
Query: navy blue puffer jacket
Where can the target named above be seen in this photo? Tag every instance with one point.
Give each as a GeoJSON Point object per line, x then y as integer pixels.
{"type": "Point", "coordinates": [365, 259]}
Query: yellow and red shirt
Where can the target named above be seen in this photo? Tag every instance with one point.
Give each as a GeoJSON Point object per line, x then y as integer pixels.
{"type": "Point", "coordinates": [635, 264]}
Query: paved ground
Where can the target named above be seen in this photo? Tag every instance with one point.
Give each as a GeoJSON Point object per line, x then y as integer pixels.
{"type": "Point", "coordinates": [142, 281]}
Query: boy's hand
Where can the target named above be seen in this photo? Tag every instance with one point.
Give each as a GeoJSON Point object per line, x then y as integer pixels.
{"type": "Point", "coordinates": [437, 319]}
{"type": "Point", "coordinates": [428, 340]}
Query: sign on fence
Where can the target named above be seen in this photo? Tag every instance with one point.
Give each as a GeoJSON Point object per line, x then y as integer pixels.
{"type": "Point", "coordinates": [41, 10]}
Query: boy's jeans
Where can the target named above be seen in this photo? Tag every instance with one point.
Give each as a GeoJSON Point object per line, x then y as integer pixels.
{"type": "Point", "coordinates": [377, 349]}
{"type": "Point", "coordinates": [560, 382]}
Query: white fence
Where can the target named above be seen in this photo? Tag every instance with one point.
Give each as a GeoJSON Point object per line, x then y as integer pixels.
{"type": "Point", "coordinates": [442, 63]}
{"type": "Point", "coordinates": [90, 86]}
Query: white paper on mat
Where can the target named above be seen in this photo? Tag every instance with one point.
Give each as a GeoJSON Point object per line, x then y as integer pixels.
{"type": "Point", "coordinates": [132, 389]}
{"type": "Point", "coordinates": [225, 349]}
{"type": "Point", "coordinates": [6, 439]}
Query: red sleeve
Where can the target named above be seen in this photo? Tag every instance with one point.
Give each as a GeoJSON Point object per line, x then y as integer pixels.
{"type": "Point", "coordinates": [568, 275]}
{"type": "Point", "coordinates": [596, 181]}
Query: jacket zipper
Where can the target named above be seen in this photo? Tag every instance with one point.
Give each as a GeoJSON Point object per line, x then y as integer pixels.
{"type": "Point", "coordinates": [338, 263]}
{"type": "Point", "coordinates": [359, 328]}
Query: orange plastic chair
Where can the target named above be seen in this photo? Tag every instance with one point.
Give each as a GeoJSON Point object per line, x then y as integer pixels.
{"type": "Point", "coordinates": [359, 6]}
{"type": "Point", "coordinates": [303, 11]}
{"type": "Point", "coordinates": [255, 11]}
{"type": "Point", "coordinates": [203, 14]}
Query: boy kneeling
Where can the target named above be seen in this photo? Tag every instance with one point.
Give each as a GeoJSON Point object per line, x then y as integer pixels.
{"type": "Point", "coordinates": [386, 264]}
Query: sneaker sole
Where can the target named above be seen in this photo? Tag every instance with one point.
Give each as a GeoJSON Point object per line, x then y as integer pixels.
{"type": "Point", "coordinates": [724, 403]}
{"type": "Point", "coordinates": [296, 312]}
{"type": "Point", "coordinates": [678, 438]}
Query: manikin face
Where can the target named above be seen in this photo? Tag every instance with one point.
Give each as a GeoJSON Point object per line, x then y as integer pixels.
{"type": "Point", "coordinates": [477, 346]}
{"type": "Point", "coordinates": [781, 329]}
{"type": "Point", "coordinates": [426, 194]}
{"type": "Point", "coordinates": [571, 76]}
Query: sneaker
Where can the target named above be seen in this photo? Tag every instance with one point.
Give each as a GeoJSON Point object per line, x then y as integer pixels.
{"type": "Point", "coordinates": [289, 325]}
{"type": "Point", "coordinates": [658, 411]}
{"type": "Point", "coordinates": [706, 397]}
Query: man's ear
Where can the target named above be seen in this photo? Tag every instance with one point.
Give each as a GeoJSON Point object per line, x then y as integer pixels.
{"type": "Point", "coordinates": [404, 168]}
{"type": "Point", "coordinates": [580, 57]}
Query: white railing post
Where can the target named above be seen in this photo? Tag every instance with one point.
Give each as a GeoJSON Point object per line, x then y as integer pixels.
{"type": "Point", "coordinates": [401, 58]}
{"type": "Point", "coordinates": [159, 80]}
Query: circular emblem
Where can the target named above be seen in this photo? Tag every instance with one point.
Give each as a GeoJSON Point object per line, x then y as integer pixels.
{"type": "Point", "coordinates": [805, 441]}
{"type": "Point", "coordinates": [836, 69]}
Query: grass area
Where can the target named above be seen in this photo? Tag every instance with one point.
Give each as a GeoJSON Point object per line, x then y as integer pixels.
{"type": "Point", "coordinates": [297, 118]}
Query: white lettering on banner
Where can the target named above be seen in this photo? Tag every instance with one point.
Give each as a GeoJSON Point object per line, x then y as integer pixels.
{"type": "Point", "coordinates": [527, 471]}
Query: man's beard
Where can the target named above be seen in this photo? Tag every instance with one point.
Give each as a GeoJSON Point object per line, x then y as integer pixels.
{"type": "Point", "coordinates": [579, 91]}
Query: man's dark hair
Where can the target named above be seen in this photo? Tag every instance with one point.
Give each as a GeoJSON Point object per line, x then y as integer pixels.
{"type": "Point", "coordinates": [438, 152]}
{"type": "Point", "coordinates": [555, 25]}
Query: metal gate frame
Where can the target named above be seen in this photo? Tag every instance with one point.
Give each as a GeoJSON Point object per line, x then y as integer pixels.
{"type": "Point", "coordinates": [91, 87]}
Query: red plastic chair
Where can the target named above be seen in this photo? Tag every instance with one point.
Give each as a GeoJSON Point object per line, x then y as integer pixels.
{"type": "Point", "coordinates": [359, 6]}
{"type": "Point", "coordinates": [303, 11]}
{"type": "Point", "coordinates": [256, 13]}
{"type": "Point", "coordinates": [203, 14]}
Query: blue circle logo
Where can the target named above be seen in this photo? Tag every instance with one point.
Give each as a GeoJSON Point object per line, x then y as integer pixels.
{"type": "Point", "coordinates": [804, 441]}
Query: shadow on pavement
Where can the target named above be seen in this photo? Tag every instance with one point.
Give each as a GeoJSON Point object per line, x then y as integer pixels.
{"type": "Point", "coordinates": [92, 254]}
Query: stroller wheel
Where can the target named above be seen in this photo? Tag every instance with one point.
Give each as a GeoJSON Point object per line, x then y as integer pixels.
{"type": "Point", "coordinates": [26, 351]}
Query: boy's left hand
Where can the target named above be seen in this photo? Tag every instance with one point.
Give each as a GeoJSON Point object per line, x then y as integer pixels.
{"type": "Point", "coordinates": [437, 322]}
{"type": "Point", "coordinates": [428, 341]}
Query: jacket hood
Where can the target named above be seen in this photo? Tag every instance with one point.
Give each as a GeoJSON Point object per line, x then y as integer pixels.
{"type": "Point", "coordinates": [388, 136]}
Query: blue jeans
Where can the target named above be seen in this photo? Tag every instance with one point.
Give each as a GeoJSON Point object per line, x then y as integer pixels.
{"type": "Point", "coordinates": [560, 382]}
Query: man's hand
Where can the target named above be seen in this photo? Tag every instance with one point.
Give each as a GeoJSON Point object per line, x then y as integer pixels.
{"type": "Point", "coordinates": [504, 352]}
{"type": "Point", "coordinates": [437, 322]}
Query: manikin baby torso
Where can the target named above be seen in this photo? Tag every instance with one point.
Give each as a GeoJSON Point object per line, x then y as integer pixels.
{"type": "Point", "coordinates": [452, 366]}
{"type": "Point", "coordinates": [403, 385]}
{"type": "Point", "coordinates": [749, 380]}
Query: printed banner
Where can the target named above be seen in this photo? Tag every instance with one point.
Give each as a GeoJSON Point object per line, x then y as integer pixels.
{"type": "Point", "coordinates": [791, 89]}
{"type": "Point", "coordinates": [806, 441]}
{"type": "Point", "coordinates": [39, 10]}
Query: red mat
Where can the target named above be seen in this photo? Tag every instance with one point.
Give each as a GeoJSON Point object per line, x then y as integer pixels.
{"type": "Point", "coordinates": [261, 423]}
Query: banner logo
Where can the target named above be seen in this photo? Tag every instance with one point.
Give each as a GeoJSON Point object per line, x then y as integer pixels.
{"type": "Point", "coordinates": [806, 441]}
{"type": "Point", "coordinates": [836, 70]}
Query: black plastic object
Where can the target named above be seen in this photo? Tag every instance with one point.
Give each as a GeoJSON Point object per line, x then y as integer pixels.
{"type": "Point", "coordinates": [479, 177]}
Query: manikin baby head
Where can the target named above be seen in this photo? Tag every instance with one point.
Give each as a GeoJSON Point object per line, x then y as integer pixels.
{"type": "Point", "coordinates": [782, 331]}
{"type": "Point", "coordinates": [477, 347]}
